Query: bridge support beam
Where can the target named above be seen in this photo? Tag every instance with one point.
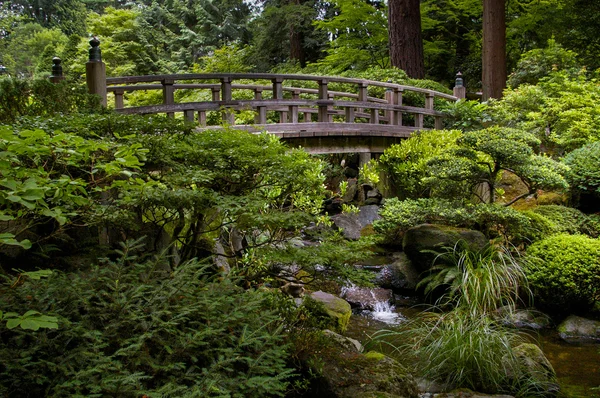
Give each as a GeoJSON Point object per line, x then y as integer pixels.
{"type": "Point", "coordinates": [95, 72]}
{"type": "Point", "coordinates": [363, 158]}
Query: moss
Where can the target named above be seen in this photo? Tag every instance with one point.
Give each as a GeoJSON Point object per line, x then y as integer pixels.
{"type": "Point", "coordinates": [374, 355]}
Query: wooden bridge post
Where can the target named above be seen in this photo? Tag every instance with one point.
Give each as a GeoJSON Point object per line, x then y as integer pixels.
{"type": "Point", "coordinates": [228, 115]}
{"type": "Point", "coordinates": [278, 95]}
{"type": "Point", "coordinates": [460, 91]}
{"type": "Point", "coordinates": [168, 94]}
{"type": "Point", "coordinates": [390, 98]}
{"type": "Point", "coordinates": [95, 71]}
{"type": "Point", "coordinates": [57, 71]}
{"type": "Point", "coordinates": [399, 100]}
{"type": "Point", "coordinates": [323, 95]}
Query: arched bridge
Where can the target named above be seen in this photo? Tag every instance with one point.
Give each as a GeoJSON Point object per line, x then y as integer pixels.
{"type": "Point", "coordinates": [321, 114]}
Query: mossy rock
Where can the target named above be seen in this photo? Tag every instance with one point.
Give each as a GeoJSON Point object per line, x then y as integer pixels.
{"type": "Point", "coordinates": [419, 242]}
{"type": "Point", "coordinates": [336, 309]}
{"type": "Point", "coordinates": [576, 329]}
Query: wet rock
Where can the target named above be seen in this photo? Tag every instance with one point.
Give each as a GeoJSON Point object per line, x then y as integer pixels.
{"type": "Point", "coordinates": [576, 329]}
{"type": "Point", "coordinates": [295, 290]}
{"type": "Point", "coordinates": [349, 225]}
{"type": "Point", "coordinates": [530, 319]}
{"type": "Point", "coordinates": [347, 342]}
{"type": "Point", "coordinates": [368, 214]}
{"type": "Point", "coordinates": [534, 366]}
{"type": "Point", "coordinates": [419, 240]}
{"type": "Point", "coordinates": [336, 308]}
{"type": "Point", "coordinates": [400, 275]}
{"type": "Point", "coordinates": [351, 190]}
{"type": "Point", "coordinates": [366, 298]}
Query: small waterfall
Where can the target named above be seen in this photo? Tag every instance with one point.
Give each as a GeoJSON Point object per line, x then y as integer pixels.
{"type": "Point", "coordinates": [372, 306]}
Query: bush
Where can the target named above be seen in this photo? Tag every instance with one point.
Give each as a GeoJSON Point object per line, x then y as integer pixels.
{"type": "Point", "coordinates": [128, 329]}
{"type": "Point", "coordinates": [564, 273]}
{"type": "Point", "coordinates": [406, 163]}
{"type": "Point", "coordinates": [584, 173]}
{"type": "Point", "coordinates": [493, 220]}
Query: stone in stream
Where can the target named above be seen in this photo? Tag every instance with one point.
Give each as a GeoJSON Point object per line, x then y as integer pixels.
{"type": "Point", "coordinates": [366, 298]}
{"type": "Point", "coordinates": [530, 319]}
{"type": "Point", "coordinates": [576, 329]}
{"type": "Point", "coordinates": [337, 309]}
{"type": "Point", "coordinates": [400, 275]}
{"type": "Point", "coordinates": [352, 224]}
{"type": "Point", "coordinates": [534, 366]}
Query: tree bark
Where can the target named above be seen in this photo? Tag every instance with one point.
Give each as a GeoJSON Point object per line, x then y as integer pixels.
{"type": "Point", "coordinates": [494, 49]}
{"type": "Point", "coordinates": [406, 44]}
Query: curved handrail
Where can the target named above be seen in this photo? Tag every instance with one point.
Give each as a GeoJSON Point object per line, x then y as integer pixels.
{"type": "Point", "coordinates": [350, 107]}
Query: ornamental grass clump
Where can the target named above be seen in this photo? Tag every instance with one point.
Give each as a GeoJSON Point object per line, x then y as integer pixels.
{"type": "Point", "coordinates": [475, 281]}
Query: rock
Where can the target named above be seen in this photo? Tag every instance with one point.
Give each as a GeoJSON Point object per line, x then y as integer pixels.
{"type": "Point", "coordinates": [368, 214]}
{"type": "Point", "coordinates": [295, 290]}
{"type": "Point", "coordinates": [349, 225]}
{"type": "Point", "coordinates": [347, 342]}
{"type": "Point", "coordinates": [530, 319]}
{"type": "Point", "coordinates": [336, 308]}
{"type": "Point", "coordinates": [534, 366]}
{"type": "Point", "coordinates": [432, 386]}
{"type": "Point", "coordinates": [345, 373]}
{"type": "Point", "coordinates": [351, 190]}
{"type": "Point", "coordinates": [366, 298]}
{"type": "Point", "coordinates": [576, 329]}
{"type": "Point", "coordinates": [426, 237]}
{"type": "Point", "coordinates": [220, 258]}
{"type": "Point", "coordinates": [400, 275]}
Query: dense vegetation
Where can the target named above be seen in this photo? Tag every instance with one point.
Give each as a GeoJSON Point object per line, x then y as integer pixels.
{"type": "Point", "coordinates": [140, 256]}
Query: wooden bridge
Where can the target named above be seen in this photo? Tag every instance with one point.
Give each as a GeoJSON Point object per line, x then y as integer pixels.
{"type": "Point", "coordinates": [322, 114]}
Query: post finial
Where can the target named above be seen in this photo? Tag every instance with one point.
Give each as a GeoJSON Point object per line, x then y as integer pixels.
{"type": "Point", "coordinates": [57, 70]}
{"type": "Point", "coordinates": [94, 51]}
{"type": "Point", "coordinates": [459, 80]}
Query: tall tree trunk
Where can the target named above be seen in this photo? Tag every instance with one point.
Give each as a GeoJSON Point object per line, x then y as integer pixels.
{"type": "Point", "coordinates": [494, 49]}
{"type": "Point", "coordinates": [297, 39]}
{"type": "Point", "coordinates": [406, 44]}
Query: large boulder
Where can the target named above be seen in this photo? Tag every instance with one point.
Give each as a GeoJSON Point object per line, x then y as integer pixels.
{"type": "Point", "coordinates": [366, 298]}
{"type": "Point", "coordinates": [400, 275]}
{"type": "Point", "coordinates": [343, 372]}
{"type": "Point", "coordinates": [535, 367]}
{"type": "Point", "coordinates": [336, 309]}
{"type": "Point", "coordinates": [576, 329]}
{"type": "Point", "coordinates": [351, 225]}
{"type": "Point", "coordinates": [420, 241]}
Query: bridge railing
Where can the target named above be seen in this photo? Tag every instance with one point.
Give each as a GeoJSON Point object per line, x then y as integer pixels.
{"type": "Point", "coordinates": [279, 98]}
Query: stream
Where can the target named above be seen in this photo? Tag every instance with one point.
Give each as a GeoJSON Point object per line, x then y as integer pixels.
{"type": "Point", "coordinates": [577, 366]}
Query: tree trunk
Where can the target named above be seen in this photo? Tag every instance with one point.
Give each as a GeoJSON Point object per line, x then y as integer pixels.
{"type": "Point", "coordinates": [494, 49]}
{"type": "Point", "coordinates": [406, 44]}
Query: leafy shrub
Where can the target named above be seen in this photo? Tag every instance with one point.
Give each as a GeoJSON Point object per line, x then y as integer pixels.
{"type": "Point", "coordinates": [493, 220]}
{"type": "Point", "coordinates": [465, 115]}
{"type": "Point", "coordinates": [564, 272]}
{"type": "Point", "coordinates": [568, 220]}
{"type": "Point", "coordinates": [406, 164]}
{"type": "Point", "coordinates": [540, 62]}
{"type": "Point", "coordinates": [41, 97]}
{"type": "Point", "coordinates": [128, 329]}
{"type": "Point", "coordinates": [584, 173]}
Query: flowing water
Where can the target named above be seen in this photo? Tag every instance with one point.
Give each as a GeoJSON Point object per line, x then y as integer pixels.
{"type": "Point", "coordinates": [577, 366]}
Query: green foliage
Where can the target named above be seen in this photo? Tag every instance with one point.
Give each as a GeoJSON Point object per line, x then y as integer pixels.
{"type": "Point", "coordinates": [42, 98]}
{"type": "Point", "coordinates": [406, 164]}
{"type": "Point", "coordinates": [482, 155]}
{"type": "Point", "coordinates": [228, 59]}
{"type": "Point", "coordinates": [471, 352]}
{"type": "Point", "coordinates": [564, 273]}
{"type": "Point", "coordinates": [26, 47]}
{"type": "Point", "coordinates": [360, 36]}
{"type": "Point", "coordinates": [475, 281]}
{"type": "Point", "coordinates": [561, 111]}
{"type": "Point", "coordinates": [584, 169]}
{"type": "Point", "coordinates": [540, 62]}
{"type": "Point", "coordinates": [129, 329]}
{"type": "Point", "coordinates": [465, 115]}
{"type": "Point", "coordinates": [568, 220]}
{"type": "Point", "coordinates": [493, 220]}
